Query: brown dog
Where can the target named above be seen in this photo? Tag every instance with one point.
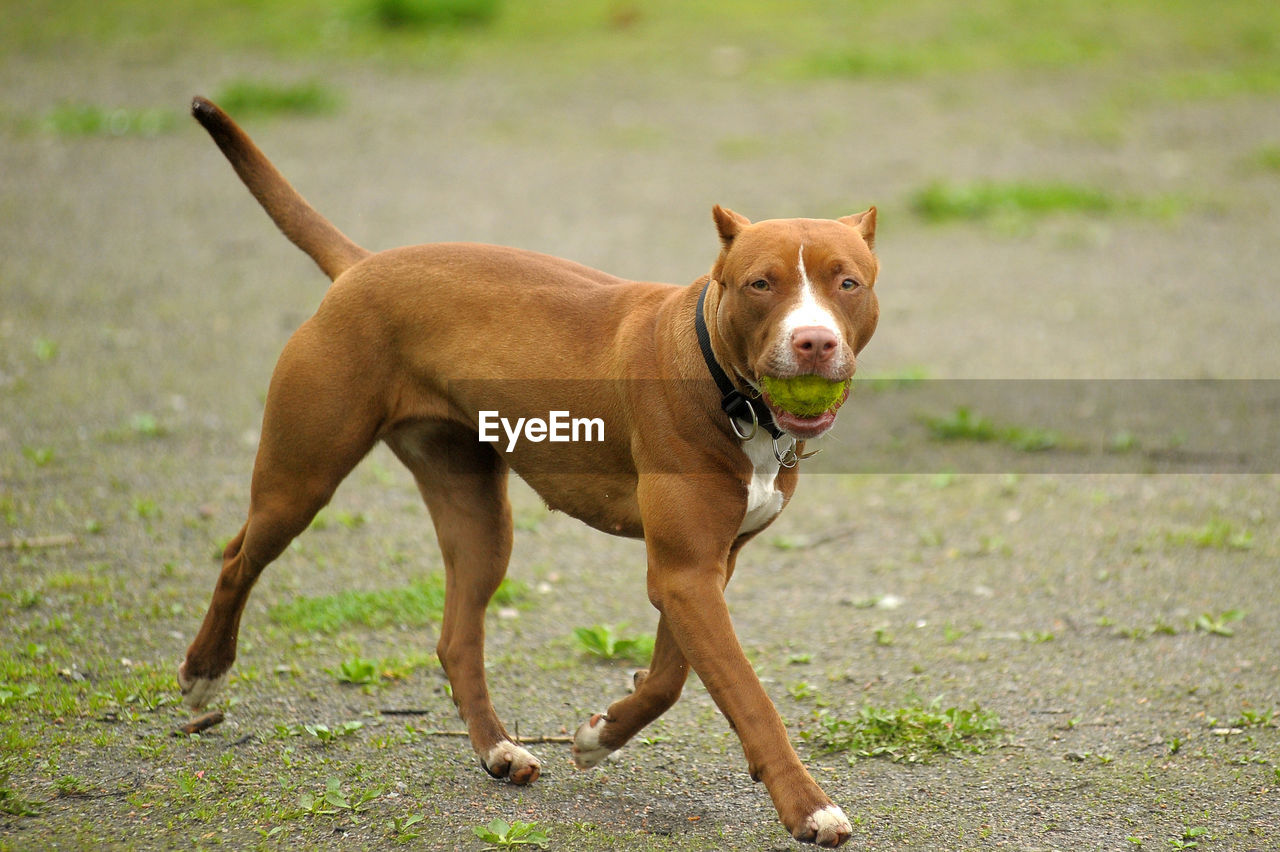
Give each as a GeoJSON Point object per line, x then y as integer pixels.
{"type": "Point", "coordinates": [423, 347]}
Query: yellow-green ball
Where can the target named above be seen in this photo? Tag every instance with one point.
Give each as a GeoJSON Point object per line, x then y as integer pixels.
{"type": "Point", "coordinates": [804, 396]}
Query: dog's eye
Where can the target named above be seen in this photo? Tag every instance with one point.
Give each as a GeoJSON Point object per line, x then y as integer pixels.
{"type": "Point", "coordinates": [760, 284]}
{"type": "Point", "coordinates": [848, 284]}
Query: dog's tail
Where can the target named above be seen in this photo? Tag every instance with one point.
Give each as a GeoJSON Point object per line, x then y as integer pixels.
{"type": "Point", "coordinates": [299, 221]}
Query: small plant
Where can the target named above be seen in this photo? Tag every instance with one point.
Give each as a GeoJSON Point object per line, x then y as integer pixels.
{"type": "Point", "coordinates": [607, 642]}
{"type": "Point", "coordinates": [400, 828]}
{"type": "Point", "coordinates": [333, 800]}
{"type": "Point", "coordinates": [145, 425]}
{"type": "Point", "coordinates": [323, 733]}
{"type": "Point", "coordinates": [15, 805]}
{"type": "Point", "coordinates": [964, 424]}
{"type": "Point", "coordinates": [38, 456]}
{"type": "Point", "coordinates": [245, 97]}
{"type": "Point", "coordinates": [431, 14]}
{"type": "Point", "coordinates": [802, 690]}
{"type": "Point", "coordinates": [92, 120]}
{"type": "Point", "coordinates": [1217, 534]}
{"type": "Point", "coordinates": [1190, 838]}
{"type": "Point", "coordinates": [70, 785]}
{"type": "Point", "coordinates": [1217, 625]}
{"type": "Point", "coordinates": [503, 835]}
{"type": "Point", "coordinates": [907, 734]}
{"type": "Point", "coordinates": [357, 670]}
{"type": "Point", "coordinates": [10, 694]}
{"type": "Point", "coordinates": [1253, 719]}
{"type": "Point", "coordinates": [45, 349]}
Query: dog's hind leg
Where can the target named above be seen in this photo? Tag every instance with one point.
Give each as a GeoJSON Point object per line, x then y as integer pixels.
{"type": "Point", "coordinates": [312, 436]}
{"type": "Point", "coordinates": [464, 484]}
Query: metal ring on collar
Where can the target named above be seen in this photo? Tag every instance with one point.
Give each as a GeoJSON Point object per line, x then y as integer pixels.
{"type": "Point", "coordinates": [755, 425]}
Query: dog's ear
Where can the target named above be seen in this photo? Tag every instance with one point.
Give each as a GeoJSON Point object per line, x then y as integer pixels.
{"type": "Point", "coordinates": [728, 223]}
{"type": "Point", "coordinates": [865, 224]}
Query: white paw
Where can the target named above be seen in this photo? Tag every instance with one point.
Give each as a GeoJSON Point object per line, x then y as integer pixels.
{"type": "Point", "coordinates": [197, 692]}
{"type": "Point", "coordinates": [587, 751]}
{"type": "Point", "coordinates": [828, 827]}
{"type": "Point", "coordinates": [510, 761]}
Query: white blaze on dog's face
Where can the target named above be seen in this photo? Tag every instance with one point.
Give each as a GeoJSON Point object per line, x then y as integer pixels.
{"type": "Point", "coordinates": [797, 297]}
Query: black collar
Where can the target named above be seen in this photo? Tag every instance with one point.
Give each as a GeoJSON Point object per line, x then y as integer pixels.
{"type": "Point", "coordinates": [735, 403]}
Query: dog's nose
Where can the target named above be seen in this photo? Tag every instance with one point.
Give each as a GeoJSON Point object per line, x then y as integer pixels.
{"type": "Point", "coordinates": [814, 345]}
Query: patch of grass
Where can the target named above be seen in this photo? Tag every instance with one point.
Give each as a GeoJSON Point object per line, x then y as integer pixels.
{"type": "Point", "coordinates": [1267, 158]}
{"type": "Point", "coordinates": [79, 119]}
{"type": "Point", "coordinates": [1017, 203]}
{"type": "Point", "coordinates": [44, 349]}
{"type": "Point", "coordinates": [607, 642]}
{"type": "Point", "coordinates": [257, 97]}
{"type": "Point", "coordinates": [428, 14]}
{"type": "Point", "coordinates": [323, 733]}
{"type": "Point", "coordinates": [145, 425]}
{"type": "Point", "coordinates": [38, 456]}
{"type": "Point", "coordinates": [911, 734]}
{"type": "Point", "coordinates": [420, 602]}
{"type": "Point", "coordinates": [964, 424]}
{"type": "Point", "coordinates": [503, 835]}
{"type": "Point", "coordinates": [357, 670]}
{"type": "Point", "coordinates": [1216, 534]}
{"type": "Point", "coordinates": [14, 803]}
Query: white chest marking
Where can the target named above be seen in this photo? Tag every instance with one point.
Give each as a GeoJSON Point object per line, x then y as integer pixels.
{"type": "Point", "coordinates": [808, 311]}
{"type": "Point", "coordinates": [764, 501]}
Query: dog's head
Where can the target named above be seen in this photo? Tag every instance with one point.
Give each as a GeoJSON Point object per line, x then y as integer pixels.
{"type": "Point", "coordinates": [797, 299]}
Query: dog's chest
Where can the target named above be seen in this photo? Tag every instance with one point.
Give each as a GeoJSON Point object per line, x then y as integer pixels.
{"type": "Point", "coordinates": [764, 500]}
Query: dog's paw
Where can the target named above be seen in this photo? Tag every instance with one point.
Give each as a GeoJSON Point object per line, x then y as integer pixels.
{"type": "Point", "coordinates": [587, 750]}
{"type": "Point", "coordinates": [511, 762]}
{"type": "Point", "coordinates": [197, 692]}
{"type": "Point", "coordinates": [827, 827]}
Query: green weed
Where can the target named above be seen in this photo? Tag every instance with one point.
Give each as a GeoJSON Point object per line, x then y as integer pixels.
{"type": "Point", "coordinates": [420, 602]}
{"type": "Point", "coordinates": [255, 97]}
{"type": "Point", "coordinates": [1018, 203]}
{"type": "Point", "coordinates": [400, 828]}
{"type": "Point", "coordinates": [1216, 534]}
{"type": "Point", "coordinates": [145, 425]}
{"type": "Point", "coordinates": [357, 670]}
{"type": "Point", "coordinates": [429, 14]}
{"type": "Point", "coordinates": [92, 120]}
{"type": "Point", "coordinates": [334, 800]}
{"type": "Point", "coordinates": [1268, 158]}
{"type": "Point", "coordinates": [320, 732]}
{"type": "Point", "coordinates": [964, 424]}
{"type": "Point", "coordinates": [38, 456]}
{"type": "Point", "coordinates": [608, 643]}
{"type": "Point", "coordinates": [1218, 625]}
{"type": "Point", "coordinates": [911, 734]}
{"type": "Point", "coordinates": [45, 349]}
{"type": "Point", "coordinates": [503, 835]}
{"type": "Point", "coordinates": [15, 804]}
{"type": "Point", "coordinates": [10, 694]}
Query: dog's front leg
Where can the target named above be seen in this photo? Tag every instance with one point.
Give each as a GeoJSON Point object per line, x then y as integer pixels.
{"type": "Point", "coordinates": [688, 560]}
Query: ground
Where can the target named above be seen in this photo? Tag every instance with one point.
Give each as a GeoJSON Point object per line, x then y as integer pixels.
{"type": "Point", "coordinates": [1117, 624]}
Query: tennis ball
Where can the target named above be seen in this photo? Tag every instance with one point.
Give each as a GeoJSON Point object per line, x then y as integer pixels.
{"type": "Point", "coordinates": [804, 396]}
